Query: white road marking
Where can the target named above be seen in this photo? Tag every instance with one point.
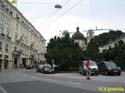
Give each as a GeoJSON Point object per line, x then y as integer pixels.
{"type": "Point", "coordinates": [3, 90]}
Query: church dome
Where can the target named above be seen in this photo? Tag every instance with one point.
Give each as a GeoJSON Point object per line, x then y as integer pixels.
{"type": "Point", "coordinates": [78, 35]}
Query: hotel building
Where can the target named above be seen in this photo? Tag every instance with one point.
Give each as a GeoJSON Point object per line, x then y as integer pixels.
{"type": "Point", "coordinates": [20, 43]}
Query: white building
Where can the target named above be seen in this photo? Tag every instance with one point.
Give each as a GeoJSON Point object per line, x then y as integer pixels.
{"type": "Point", "coordinates": [79, 38]}
{"type": "Point", "coordinates": [111, 44]}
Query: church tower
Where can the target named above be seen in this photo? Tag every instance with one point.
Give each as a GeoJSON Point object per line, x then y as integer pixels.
{"type": "Point", "coordinates": [90, 35]}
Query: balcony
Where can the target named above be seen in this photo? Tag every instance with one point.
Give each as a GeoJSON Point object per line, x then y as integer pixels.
{"type": "Point", "coordinates": [2, 35]}
{"type": "Point", "coordinates": [8, 38]}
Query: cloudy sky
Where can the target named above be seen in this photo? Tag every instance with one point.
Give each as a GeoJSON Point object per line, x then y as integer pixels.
{"type": "Point", "coordinates": [87, 14]}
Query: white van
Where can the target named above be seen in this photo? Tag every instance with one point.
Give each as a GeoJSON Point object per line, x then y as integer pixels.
{"type": "Point", "coordinates": [93, 67]}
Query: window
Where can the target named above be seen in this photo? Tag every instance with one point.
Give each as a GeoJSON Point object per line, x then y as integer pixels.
{"type": "Point", "coordinates": [8, 21]}
{"type": "Point", "coordinates": [1, 28]}
{"type": "Point", "coordinates": [16, 36]}
{"type": "Point", "coordinates": [15, 48]}
{"type": "Point", "coordinates": [7, 33]}
{"type": "Point", "coordinates": [0, 45]}
{"type": "Point", "coordinates": [17, 26]}
{"type": "Point", "coordinates": [0, 16]}
{"type": "Point", "coordinates": [7, 47]}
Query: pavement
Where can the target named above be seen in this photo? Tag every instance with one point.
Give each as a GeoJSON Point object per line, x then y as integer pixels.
{"type": "Point", "coordinates": [28, 81]}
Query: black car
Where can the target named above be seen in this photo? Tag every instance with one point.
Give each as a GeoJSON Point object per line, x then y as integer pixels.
{"type": "Point", "coordinates": [30, 66]}
{"type": "Point", "coordinates": [109, 68]}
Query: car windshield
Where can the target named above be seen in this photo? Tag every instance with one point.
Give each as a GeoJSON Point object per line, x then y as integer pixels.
{"type": "Point", "coordinates": [47, 67]}
{"type": "Point", "coordinates": [111, 64]}
{"type": "Point", "coordinates": [92, 63]}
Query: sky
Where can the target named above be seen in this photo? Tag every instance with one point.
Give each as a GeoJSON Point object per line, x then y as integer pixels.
{"type": "Point", "coordinates": [86, 14]}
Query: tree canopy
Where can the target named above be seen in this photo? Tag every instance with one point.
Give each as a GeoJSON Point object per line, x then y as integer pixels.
{"type": "Point", "coordinates": [92, 50]}
{"type": "Point", "coordinates": [117, 54]}
{"type": "Point", "coordinates": [65, 52]}
{"type": "Point", "coordinates": [105, 38]}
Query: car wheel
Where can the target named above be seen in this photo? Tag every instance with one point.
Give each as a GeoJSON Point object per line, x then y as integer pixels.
{"type": "Point", "coordinates": [100, 72]}
{"type": "Point", "coordinates": [84, 74]}
{"type": "Point", "coordinates": [97, 74]}
{"type": "Point", "coordinates": [119, 74]}
{"type": "Point", "coordinates": [106, 73]}
{"type": "Point", "coordinates": [80, 73]}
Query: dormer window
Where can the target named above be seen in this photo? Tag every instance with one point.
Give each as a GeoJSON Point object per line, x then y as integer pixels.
{"type": "Point", "coordinates": [11, 12]}
{"type": "Point", "coordinates": [22, 21]}
{"type": "Point", "coordinates": [7, 9]}
{"type": "Point", "coordinates": [17, 16]}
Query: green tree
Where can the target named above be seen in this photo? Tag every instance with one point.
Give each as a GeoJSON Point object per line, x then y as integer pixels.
{"type": "Point", "coordinates": [65, 52]}
{"type": "Point", "coordinates": [116, 54]}
{"type": "Point", "coordinates": [106, 38]}
{"type": "Point", "coordinates": [92, 50]}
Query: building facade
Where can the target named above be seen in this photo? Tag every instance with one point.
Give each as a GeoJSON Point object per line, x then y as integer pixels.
{"type": "Point", "coordinates": [111, 44]}
{"type": "Point", "coordinates": [20, 42]}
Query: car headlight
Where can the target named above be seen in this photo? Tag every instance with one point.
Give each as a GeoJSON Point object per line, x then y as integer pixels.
{"type": "Point", "coordinates": [119, 68]}
{"type": "Point", "coordinates": [46, 69]}
{"type": "Point", "coordinates": [109, 68]}
{"type": "Point", "coordinates": [97, 68]}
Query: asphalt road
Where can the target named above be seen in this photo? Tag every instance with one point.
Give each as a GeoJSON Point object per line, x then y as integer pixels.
{"type": "Point", "coordinates": [28, 81]}
{"type": "Point", "coordinates": [41, 87]}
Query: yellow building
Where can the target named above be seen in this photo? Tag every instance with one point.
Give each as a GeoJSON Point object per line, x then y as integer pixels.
{"type": "Point", "coordinates": [20, 42]}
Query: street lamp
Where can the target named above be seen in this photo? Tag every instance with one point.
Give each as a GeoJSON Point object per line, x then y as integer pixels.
{"type": "Point", "coordinates": [58, 6]}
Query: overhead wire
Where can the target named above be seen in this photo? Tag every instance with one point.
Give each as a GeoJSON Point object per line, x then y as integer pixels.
{"type": "Point", "coordinates": [54, 13]}
{"type": "Point", "coordinates": [62, 14]}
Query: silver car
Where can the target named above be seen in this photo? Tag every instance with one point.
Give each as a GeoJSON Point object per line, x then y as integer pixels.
{"type": "Point", "coordinates": [93, 67]}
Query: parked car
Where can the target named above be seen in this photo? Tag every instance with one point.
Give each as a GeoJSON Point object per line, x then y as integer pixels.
{"type": "Point", "coordinates": [46, 68]}
{"type": "Point", "coordinates": [39, 67]}
{"type": "Point", "coordinates": [93, 67]}
{"type": "Point", "coordinates": [30, 66]}
{"type": "Point", "coordinates": [109, 68]}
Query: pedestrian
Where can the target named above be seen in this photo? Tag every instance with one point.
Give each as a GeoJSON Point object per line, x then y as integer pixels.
{"type": "Point", "coordinates": [88, 71]}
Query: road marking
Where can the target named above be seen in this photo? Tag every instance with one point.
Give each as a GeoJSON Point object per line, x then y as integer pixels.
{"type": "Point", "coordinates": [74, 83]}
{"type": "Point", "coordinates": [56, 81]}
{"type": "Point", "coordinates": [3, 90]}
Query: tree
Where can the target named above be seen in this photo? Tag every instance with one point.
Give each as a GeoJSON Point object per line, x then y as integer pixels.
{"type": "Point", "coordinates": [105, 38]}
{"type": "Point", "coordinates": [92, 50]}
{"type": "Point", "coordinates": [116, 54]}
{"type": "Point", "coordinates": [65, 52]}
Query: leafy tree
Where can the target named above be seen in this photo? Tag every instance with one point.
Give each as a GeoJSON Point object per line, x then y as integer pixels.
{"type": "Point", "coordinates": [106, 38]}
{"type": "Point", "coordinates": [117, 54]}
{"type": "Point", "coordinates": [65, 52]}
{"type": "Point", "coordinates": [92, 50]}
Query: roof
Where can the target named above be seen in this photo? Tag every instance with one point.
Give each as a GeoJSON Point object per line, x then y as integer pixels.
{"type": "Point", "coordinates": [78, 34]}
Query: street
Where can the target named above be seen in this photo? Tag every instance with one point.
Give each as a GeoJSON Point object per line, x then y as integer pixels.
{"type": "Point", "coordinates": [28, 81]}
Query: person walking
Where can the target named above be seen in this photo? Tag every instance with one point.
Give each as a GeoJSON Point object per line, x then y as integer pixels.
{"type": "Point", "coordinates": [88, 71]}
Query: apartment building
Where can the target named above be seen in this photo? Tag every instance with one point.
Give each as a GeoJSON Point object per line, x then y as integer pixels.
{"type": "Point", "coordinates": [20, 42]}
